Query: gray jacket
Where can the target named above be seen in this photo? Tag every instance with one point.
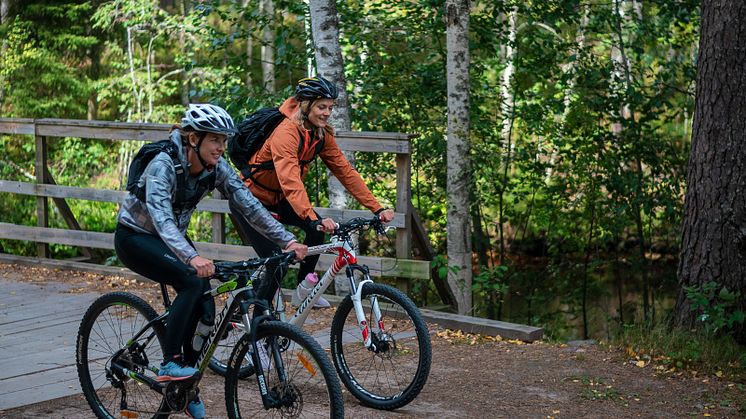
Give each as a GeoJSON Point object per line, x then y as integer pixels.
{"type": "Point", "coordinates": [159, 216]}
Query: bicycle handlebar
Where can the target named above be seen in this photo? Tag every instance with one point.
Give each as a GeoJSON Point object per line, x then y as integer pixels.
{"type": "Point", "coordinates": [359, 223]}
{"type": "Point", "coordinates": [222, 268]}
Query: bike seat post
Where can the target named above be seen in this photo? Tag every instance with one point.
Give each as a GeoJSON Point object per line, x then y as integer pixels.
{"type": "Point", "coordinates": [164, 293]}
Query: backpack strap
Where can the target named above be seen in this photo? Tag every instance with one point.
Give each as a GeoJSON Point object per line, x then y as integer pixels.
{"type": "Point", "coordinates": [173, 152]}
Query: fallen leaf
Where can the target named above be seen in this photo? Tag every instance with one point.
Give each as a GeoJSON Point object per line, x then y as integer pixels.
{"type": "Point", "coordinates": [640, 364]}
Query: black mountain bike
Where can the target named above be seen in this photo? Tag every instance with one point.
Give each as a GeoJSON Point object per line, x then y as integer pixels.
{"type": "Point", "coordinates": [119, 351]}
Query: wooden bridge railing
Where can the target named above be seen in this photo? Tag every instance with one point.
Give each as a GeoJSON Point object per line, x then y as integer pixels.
{"type": "Point", "coordinates": [45, 130]}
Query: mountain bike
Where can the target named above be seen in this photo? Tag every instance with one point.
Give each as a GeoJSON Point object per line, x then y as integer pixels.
{"type": "Point", "coordinates": [379, 343]}
{"type": "Point", "coordinates": [275, 369]}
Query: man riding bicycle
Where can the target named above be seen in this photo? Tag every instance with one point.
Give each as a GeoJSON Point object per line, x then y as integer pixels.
{"type": "Point", "coordinates": [150, 236]}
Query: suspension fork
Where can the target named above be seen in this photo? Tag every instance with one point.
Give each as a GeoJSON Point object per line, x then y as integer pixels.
{"type": "Point", "coordinates": [357, 302]}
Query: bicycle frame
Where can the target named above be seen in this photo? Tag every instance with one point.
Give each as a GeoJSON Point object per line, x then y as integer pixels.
{"type": "Point", "coordinates": [234, 290]}
{"type": "Point", "coordinates": [346, 258]}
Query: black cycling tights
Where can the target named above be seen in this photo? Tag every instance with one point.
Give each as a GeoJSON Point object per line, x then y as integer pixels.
{"type": "Point", "coordinates": [149, 256]}
{"type": "Point", "coordinates": [264, 247]}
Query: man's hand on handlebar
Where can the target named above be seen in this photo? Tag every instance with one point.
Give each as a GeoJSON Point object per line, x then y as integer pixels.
{"type": "Point", "coordinates": [300, 249]}
{"type": "Point", "coordinates": [203, 266]}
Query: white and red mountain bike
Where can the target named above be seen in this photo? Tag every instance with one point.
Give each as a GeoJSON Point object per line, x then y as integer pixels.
{"type": "Point", "coordinates": [379, 343]}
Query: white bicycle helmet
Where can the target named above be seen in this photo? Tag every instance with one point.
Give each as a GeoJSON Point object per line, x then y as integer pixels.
{"type": "Point", "coordinates": [208, 118]}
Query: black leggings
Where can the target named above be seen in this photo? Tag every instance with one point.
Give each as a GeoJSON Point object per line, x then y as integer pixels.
{"type": "Point", "coordinates": [149, 256]}
{"type": "Point", "coordinates": [264, 247]}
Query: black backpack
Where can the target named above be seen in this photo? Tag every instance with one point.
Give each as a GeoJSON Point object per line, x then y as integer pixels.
{"type": "Point", "coordinates": [252, 133]}
{"type": "Point", "coordinates": [147, 153]}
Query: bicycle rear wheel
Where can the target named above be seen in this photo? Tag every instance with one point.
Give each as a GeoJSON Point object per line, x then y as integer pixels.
{"type": "Point", "coordinates": [391, 373]}
{"type": "Point", "coordinates": [310, 388]}
{"type": "Point", "coordinates": [107, 327]}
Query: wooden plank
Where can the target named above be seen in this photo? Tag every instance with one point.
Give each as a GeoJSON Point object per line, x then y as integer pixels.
{"type": "Point", "coordinates": [378, 266]}
{"type": "Point", "coordinates": [17, 126]}
{"type": "Point", "coordinates": [373, 145]}
{"type": "Point", "coordinates": [483, 326]}
{"type": "Point", "coordinates": [208, 204]}
{"type": "Point", "coordinates": [102, 129]}
{"type": "Point", "coordinates": [57, 235]}
{"type": "Point", "coordinates": [40, 386]}
{"type": "Point", "coordinates": [42, 204]}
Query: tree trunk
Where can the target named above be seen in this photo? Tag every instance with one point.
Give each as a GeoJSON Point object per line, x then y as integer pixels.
{"type": "Point", "coordinates": [4, 20]}
{"type": "Point", "coordinates": [507, 112]}
{"type": "Point", "coordinates": [249, 49]}
{"type": "Point", "coordinates": [267, 9]}
{"type": "Point", "coordinates": [458, 177]}
{"type": "Point", "coordinates": [714, 225]}
{"type": "Point", "coordinates": [184, 76]}
{"type": "Point", "coordinates": [330, 65]}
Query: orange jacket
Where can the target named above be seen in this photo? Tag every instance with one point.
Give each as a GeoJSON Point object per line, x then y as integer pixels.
{"type": "Point", "coordinates": [286, 178]}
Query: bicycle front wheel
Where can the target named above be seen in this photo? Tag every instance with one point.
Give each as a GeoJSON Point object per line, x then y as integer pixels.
{"type": "Point", "coordinates": [107, 329]}
{"type": "Point", "coordinates": [393, 371]}
{"type": "Point", "coordinates": [298, 376]}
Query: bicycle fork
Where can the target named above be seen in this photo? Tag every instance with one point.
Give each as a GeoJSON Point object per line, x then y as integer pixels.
{"type": "Point", "coordinates": [357, 303]}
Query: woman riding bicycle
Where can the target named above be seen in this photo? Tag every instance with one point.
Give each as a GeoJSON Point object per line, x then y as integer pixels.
{"type": "Point", "coordinates": [281, 188]}
{"type": "Point", "coordinates": [150, 237]}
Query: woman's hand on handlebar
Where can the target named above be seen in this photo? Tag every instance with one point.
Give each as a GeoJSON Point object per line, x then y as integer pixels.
{"type": "Point", "coordinates": [328, 225]}
{"type": "Point", "coordinates": [300, 249]}
{"type": "Point", "coordinates": [386, 215]}
{"type": "Point", "coordinates": [204, 267]}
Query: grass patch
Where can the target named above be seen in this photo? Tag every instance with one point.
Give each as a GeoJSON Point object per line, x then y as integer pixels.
{"type": "Point", "coordinates": [683, 350]}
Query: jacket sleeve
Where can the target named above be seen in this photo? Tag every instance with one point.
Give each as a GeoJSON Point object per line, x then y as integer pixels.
{"type": "Point", "coordinates": [284, 148]}
{"type": "Point", "coordinates": [160, 181]}
{"type": "Point", "coordinates": [230, 185]}
{"type": "Point", "coordinates": [346, 174]}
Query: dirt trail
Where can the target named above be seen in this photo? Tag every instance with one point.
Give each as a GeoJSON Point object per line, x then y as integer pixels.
{"type": "Point", "coordinates": [484, 379]}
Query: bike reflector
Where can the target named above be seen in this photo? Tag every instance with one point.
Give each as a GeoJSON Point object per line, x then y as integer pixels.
{"type": "Point", "coordinates": [306, 363]}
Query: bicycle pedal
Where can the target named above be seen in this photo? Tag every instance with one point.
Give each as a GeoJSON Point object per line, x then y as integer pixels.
{"type": "Point", "coordinates": [129, 414]}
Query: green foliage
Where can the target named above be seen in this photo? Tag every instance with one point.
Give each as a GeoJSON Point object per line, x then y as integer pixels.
{"type": "Point", "coordinates": [578, 159]}
{"type": "Point", "coordinates": [717, 305]}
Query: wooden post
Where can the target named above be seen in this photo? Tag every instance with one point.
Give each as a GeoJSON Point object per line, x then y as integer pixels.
{"type": "Point", "coordinates": [403, 199]}
{"type": "Point", "coordinates": [66, 213]}
{"type": "Point", "coordinates": [42, 203]}
{"type": "Point", "coordinates": [218, 222]}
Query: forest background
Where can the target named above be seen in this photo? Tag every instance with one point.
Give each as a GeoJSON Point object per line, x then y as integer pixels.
{"type": "Point", "coordinates": [580, 129]}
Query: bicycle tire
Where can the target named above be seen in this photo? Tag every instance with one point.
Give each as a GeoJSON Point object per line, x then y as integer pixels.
{"type": "Point", "coordinates": [395, 375]}
{"type": "Point", "coordinates": [108, 324]}
{"type": "Point", "coordinates": [318, 395]}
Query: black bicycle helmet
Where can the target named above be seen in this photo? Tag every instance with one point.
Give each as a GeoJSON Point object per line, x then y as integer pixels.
{"type": "Point", "coordinates": [312, 88]}
{"type": "Point", "coordinates": [208, 118]}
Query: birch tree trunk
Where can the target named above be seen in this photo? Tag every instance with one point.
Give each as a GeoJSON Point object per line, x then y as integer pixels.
{"type": "Point", "coordinates": [330, 65]}
{"type": "Point", "coordinates": [508, 104]}
{"type": "Point", "coordinates": [714, 226]}
{"type": "Point", "coordinates": [267, 10]}
{"type": "Point", "coordinates": [458, 178]}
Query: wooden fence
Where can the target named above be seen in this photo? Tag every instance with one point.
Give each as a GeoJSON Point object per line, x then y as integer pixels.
{"type": "Point", "coordinates": [409, 229]}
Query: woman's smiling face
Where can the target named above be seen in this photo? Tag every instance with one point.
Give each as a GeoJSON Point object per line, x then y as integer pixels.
{"type": "Point", "coordinates": [320, 112]}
